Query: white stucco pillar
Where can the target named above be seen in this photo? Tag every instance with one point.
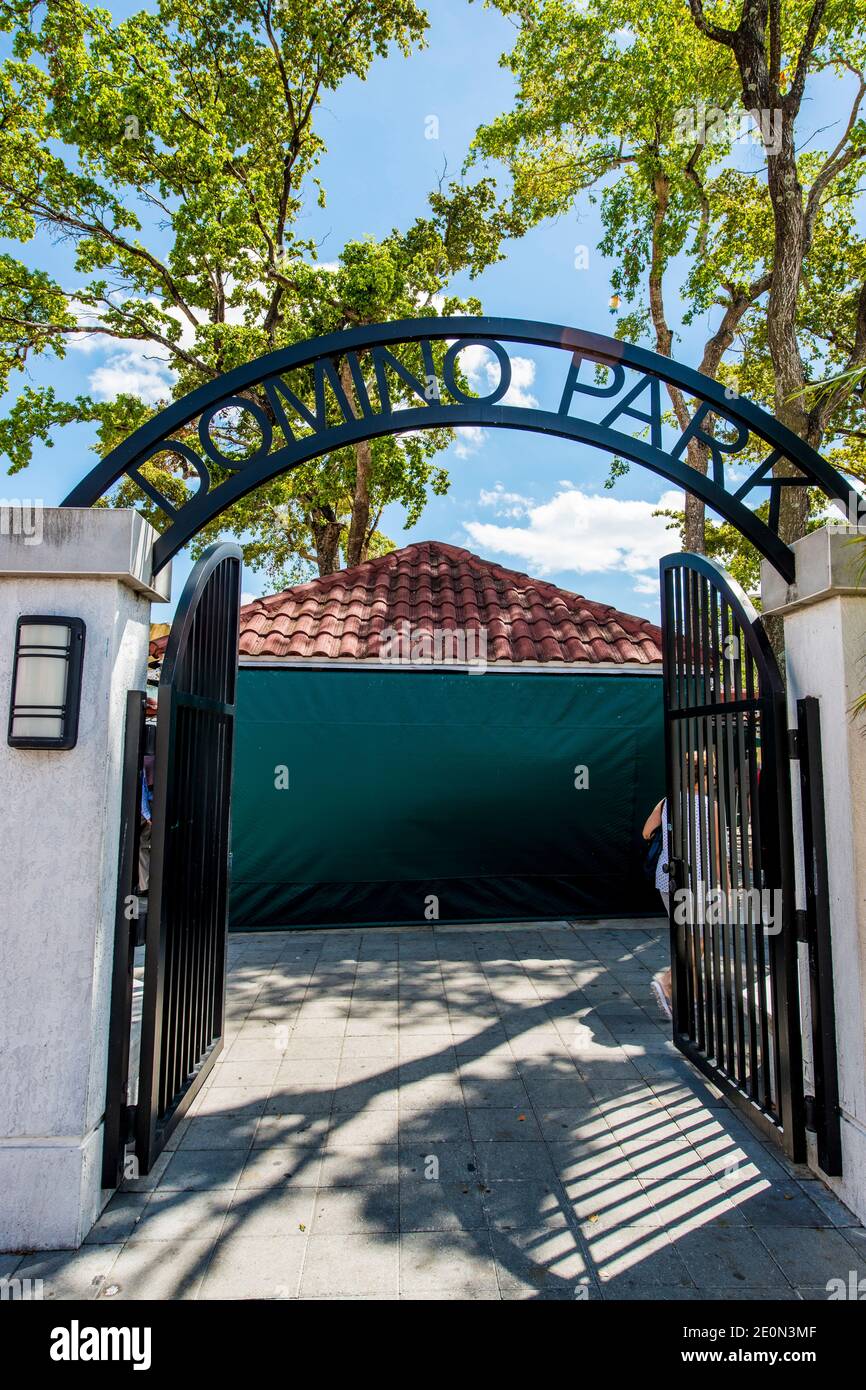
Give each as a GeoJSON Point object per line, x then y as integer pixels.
{"type": "Point", "coordinates": [824, 613]}
{"type": "Point", "coordinates": [60, 813]}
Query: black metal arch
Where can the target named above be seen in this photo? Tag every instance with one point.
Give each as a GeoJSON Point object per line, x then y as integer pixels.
{"type": "Point", "coordinates": [638, 401]}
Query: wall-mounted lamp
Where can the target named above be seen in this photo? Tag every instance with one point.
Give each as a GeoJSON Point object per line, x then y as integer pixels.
{"type": "Point", "coordinates": [46, 682]}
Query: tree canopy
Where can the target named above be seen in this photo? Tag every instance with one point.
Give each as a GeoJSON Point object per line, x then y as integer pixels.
{"type": "Point", "coordinates": [173, 154]}
{"type": "Point", "coordinates": [646, 107]}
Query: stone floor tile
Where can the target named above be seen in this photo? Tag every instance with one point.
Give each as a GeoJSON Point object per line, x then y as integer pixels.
{"type": "Point", "coordinates": [381, 1045]}
{"type": "Point", "coordinates": [315, 1075]}
{"type": "Point", "coordinates": [341, 1264]}
{"type": "Point", "coordinates": [118, 1220]}
{"type": "Point", "coordinates": [834, 1212]}
{"type": "Point", "coordinates": [444, 1124]}
{"type": "Point", "coordinates": [531, 1202]}
{"type": "Point", "coordinates": [438, 1047]}
{"type": "Point", "coordinates": [70, 1274]}
{"type": "Point", "coordinates": [234, 1074]}
{"type": "Point", "coordinates": [539, 1259]}
{"type": "Point", "coordinates": [267, 1267]}
{"type": "Point", "coordinates": [618, 1292]}
{"type": "Point", "coordinates": [356, 1210]}
{"type": "Point", "coordinates": [452, 1160]}
{"type": "Point", "coordinates": [605, 1207]}
{"type": "Point", "coordinates": [812, 1257]}
{"type": "Point", "coordinates": [308, 1130]}
{"type": "Point", "coordinates": [274, 1168]}
{"type": "Point", "coordinates": [513, 1161]}
{"type": "Point", "coordinates": [766, 1203]}
{"type": "Point", "coordinates": [503, 1124]}
{"type": "Point", "coordinates": [219, 1132]}
{"type": "Point", "coordinates": [370, 1095]}
{"type": "Point", "coordinates": [478, 1091]}
{"type": "Point", "coordinates": [299, 1100]}
{"type": "Point", "coordinates": [442, 1206]}
{"type": "Point", "coordinates": [690, 1203]}
{"type": "Point", "coordinates": [586, 1124]}
{"type": "Point", "coordinates": [359, 1165]}
{"type": "Point", "coordinates": [636, 1255]}
{"type": "Point", "coordinates": [262, 1048]}
{"type": "Point", "coordinates": [578, 1160]}
{"type": "Point", "coordinates": [231, 1100]}
{"type": "Point", "coordinates": [460, 1263]}
{"type": "Point", "coordinates": [729, 1258]}
{"type": "Point", "coordinates": [199, 1170]}
{"type": "Point", "coordinates": [148, 1182]}
{"type": "Point", "coordinates": [176, 1215]}
{"type": "Point", "coordinates": [312, 1048]}
{"type": "Point", "coordinates": [149, 1270]}
{"type": "Point", "coordinates": [257, 1213]}
{"type": "Point", "coordinates": [349, 1128]}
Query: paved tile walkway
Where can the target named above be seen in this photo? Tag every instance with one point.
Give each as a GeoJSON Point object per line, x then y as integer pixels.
{"type": "Point", "coordinates": [465, 1114]}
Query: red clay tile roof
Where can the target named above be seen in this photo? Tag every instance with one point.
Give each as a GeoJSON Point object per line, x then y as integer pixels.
{"type": "Point", "coordinates": [432, 585]}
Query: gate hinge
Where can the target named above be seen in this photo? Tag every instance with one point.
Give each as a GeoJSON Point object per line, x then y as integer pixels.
{"type": "Point", "coordinates": [138, 928]}
{"type": "Point", "coordinates": [810, 1114]}
{"type": "Point", "coordinates": [801, 923]}
{"type": "Point", "coordinates": [793, 743]}
{"type": "Point", "coordinates": [127, 1123]}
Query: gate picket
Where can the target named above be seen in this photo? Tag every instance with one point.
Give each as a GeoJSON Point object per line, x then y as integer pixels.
{"type": "Point", "coordinates": [733, 947]}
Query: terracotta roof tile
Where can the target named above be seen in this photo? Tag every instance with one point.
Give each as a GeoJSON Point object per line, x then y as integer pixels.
{"type": "Point", "coordinates": [431, 585]}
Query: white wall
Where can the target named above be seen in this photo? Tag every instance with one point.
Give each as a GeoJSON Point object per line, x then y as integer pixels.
{"type": "Point", "coordinates": [59, 826]}
{"type": "Point", "coordinates": [825, 648]}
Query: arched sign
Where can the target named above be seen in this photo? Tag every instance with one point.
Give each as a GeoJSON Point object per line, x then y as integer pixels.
{"type": "Point", "coordinates": [296, 401]}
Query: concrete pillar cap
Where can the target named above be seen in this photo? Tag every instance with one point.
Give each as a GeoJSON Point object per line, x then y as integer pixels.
{"type": "Point", "coordinates": [81, 543]}
{"type": "Point", "coordinates": [828, 565]}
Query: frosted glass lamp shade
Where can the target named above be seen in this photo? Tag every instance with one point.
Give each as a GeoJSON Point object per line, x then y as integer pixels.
{"type": "Point", "coordinates": [46, 682]}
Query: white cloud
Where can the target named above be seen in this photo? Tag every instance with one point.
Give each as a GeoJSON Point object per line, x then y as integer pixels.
{"type": "Point", "coordinates": [648, 583]}
{"type": "Point", "coordinates": [469, 440]}
{"type": "Point", "coordinates": [482, 369]}
{"type": "Point", "coordinates": [130, 365]}
{"type": "Point", "coordinates": [135, 371]}
{"type": "Point", "coordinates": [585, 534]}
{"type": "Point", "coordinates": [522, 377]}
{"type": "Point", "coordinates": [505, 503]}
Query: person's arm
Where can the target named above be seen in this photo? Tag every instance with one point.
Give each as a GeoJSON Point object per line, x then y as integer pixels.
{"type": "Point", "coordinates": [654, 821]}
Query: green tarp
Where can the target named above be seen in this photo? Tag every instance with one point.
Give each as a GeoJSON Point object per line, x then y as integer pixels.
{"type": "Point", "coordinates": [408, 786]}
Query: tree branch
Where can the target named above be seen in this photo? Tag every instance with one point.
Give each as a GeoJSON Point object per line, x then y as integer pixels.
{"type": "Point", "coordinates": [712, 31]}
{"type": "Point", "coordinates": [836, 161]}
{"type": "Point", "coordinates": [792, 99]}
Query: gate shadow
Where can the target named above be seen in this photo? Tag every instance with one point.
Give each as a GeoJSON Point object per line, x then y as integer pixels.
{"type": "Point", "coordinates": [524, 1163]}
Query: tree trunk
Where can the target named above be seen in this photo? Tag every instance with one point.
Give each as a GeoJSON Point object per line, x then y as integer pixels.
{"type": "Point", "coordinates": [786, 196]}
{"type": "Point", "coordinates": [694, 537]}
{"type": "Point", "coordinates": [326, 535]}
{"type": "Point", "coordinates": [757, 46]}
{"type": "Point", "coordinates": [356, 545]}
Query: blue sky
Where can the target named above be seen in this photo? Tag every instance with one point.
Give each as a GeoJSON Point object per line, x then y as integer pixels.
{"type": "Point", "coordinates": [529, 502]}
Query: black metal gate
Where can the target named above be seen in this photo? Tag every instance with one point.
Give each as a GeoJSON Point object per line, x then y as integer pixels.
{"type": "Point", "coordinates": [184, 983]}
{"type": "Point", "coordinates": [156, 1069]}
{"type": "Point", "coordinates": [733, 918]}
{"type": "Point", "coordinates": [184, 931]}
